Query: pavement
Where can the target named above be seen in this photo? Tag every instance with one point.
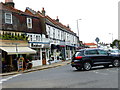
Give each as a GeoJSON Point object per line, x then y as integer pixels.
{"type": "Point", "coordinates": [53, 65]}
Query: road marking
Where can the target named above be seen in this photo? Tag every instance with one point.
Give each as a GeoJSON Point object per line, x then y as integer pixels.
{"type": "Point", "coordinates": [2, 80]}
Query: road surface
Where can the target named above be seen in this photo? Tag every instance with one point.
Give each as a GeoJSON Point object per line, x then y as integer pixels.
{"type": "Point", "coordinates": [64, 77]}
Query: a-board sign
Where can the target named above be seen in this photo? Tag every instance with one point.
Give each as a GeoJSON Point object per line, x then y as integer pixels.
{"type": "Point", "coordinates": [20, 64]}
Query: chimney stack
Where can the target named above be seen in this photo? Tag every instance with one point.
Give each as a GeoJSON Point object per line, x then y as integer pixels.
{"type": "Point", "coordinates": [43, 11]}
{"type": "Point", "coordinates": [57, 19]}
{"type": "Point", "coordinates": [68, 26]}
{"type": "Point", "coordinates": [9, 3]}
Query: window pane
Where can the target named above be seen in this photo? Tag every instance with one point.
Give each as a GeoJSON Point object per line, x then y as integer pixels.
{"type": "Point", "coordinates": [29, 22]}
{"type": "Point", "coordinates": [91, 52]}
{"type": "Point", "coordinates": [101, 52]}
{"type": "Point", "coordinates": [8, 18]}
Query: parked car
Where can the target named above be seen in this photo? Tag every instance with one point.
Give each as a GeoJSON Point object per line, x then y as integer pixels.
{"type": "Point", "coordinates": [87, 58]}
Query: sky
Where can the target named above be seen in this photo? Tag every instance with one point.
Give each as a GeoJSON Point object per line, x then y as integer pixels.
{"type": "Point", "coordinates": [98, 18]}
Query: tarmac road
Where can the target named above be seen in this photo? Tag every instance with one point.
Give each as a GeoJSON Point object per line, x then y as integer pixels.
{"type": "Point", "coordinates": [64, 77]}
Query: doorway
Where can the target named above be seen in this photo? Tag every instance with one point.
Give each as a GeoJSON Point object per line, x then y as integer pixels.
{"type": "Point", "coordinates": [43, 58]}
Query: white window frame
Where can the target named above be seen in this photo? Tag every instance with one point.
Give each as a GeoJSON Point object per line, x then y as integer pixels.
{"type": "Point", "coordinates": [6, 18]}
{"type": "Point", "coordinates": [58, 34]}
{"type": "Point", "coordinates": [29, 22]}
{"type": "Point", "coordinates": [54, 33]}
{"type": "Point", "coordinates": [49, 31]}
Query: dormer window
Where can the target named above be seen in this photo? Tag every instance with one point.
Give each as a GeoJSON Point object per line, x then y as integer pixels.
{"type": "Point", "coordinates": [8, 18]}
{"type": "Point", "coordinates": [29, 22]}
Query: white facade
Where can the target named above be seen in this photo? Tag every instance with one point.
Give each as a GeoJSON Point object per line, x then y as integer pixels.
{"type": "Point", "coordinates": [55, 36]}
{"type": "Point", "coordinates": [41, 44]}
{"type": "Point", "coordinates": [62, 37]}
{"type": "Point", "coordinates": [59, 34]}
{"type": "Point", "coordinates": [59, 40]}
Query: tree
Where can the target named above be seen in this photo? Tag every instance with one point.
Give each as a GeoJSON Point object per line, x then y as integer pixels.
{"type": "Point", "coordinates": [115, 43]}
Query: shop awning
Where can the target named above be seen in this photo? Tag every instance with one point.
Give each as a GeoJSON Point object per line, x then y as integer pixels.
{"type": "Point", "coordinates": [18, 50]}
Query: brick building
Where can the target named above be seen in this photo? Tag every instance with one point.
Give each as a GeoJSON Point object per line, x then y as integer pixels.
{"type": "Point", "coordinates": [35, 33]}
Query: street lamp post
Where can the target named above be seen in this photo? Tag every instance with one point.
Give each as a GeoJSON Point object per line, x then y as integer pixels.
{"type": "Point", "coordinates": [111, 35]}
{"type": "Point", "coordinates": [78, 26]}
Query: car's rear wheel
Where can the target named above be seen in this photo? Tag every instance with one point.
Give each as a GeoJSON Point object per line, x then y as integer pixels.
{"type": "Point", "coordinates": [116, 63]}
{"type": "Point", "coordinates": [87, 66]}
{"type": "Point", "coordinates": [78, 68]}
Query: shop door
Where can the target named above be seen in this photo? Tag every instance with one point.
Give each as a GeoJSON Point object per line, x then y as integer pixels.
{"type": "Point", "coordinates": [43, 58]}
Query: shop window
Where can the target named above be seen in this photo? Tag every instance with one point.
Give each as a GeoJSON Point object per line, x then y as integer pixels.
{"type": "Point", "coordinates": [37, 55]}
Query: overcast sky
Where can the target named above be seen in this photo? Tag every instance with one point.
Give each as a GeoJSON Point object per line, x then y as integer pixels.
{"type": "Point", "coordinates": [99, 17]}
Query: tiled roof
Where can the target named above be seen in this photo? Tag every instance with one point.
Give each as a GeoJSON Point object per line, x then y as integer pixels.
{"type": "Point", "coordinates": [89, 44]}
{"type": "Point", "coordinates": [58, 24]}
{"type": "Point", "coordinates": [55, 22]}
{"type": "Point", "coordinates": [12, 9]}
{"type": "Point", "coordinates": [40, 14]}
{"type": "Point", "coordinates": [33, 13]}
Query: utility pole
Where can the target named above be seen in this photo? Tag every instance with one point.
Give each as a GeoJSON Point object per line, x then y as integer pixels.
{"type": "Point", "coordinates": [78, 26]}
{"type": "Point", "coordinates": [111, 35]}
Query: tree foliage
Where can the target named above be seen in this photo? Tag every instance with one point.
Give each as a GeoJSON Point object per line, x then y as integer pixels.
{"type": "Point", "coordinates": [116, 43]}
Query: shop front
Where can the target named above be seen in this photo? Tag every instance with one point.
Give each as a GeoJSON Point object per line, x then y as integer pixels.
{"type": "Point", "coordinates": [12, 51]}
{"type": "Point", "coordinates": [42, 53]}
{"type": "Point", "coordinates": [58, 51]}
{"type": "Point", "coordinates": [70, 50]}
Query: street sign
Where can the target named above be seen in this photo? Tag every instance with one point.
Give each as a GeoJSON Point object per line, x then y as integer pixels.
{"type": "Point", "coordinates": [97, 39]}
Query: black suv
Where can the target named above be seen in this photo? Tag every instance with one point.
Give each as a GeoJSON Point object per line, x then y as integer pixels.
{"type": "Point", "coordinates": [87, 58]}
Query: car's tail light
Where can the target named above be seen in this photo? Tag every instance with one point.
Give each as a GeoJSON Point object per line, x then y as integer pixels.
{"type": "Point", "coordinates": [78, 57]}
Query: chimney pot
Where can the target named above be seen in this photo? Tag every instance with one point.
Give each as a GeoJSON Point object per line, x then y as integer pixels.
{"type": "Point", "coordinates": [43, 11]}
{"type": "Point", "coordinates": [8, 0]}
{"type": "Point", "coordinates": [57, 19]}
{"type": "Point", "coordinates": [43, 8]}
{"type": "Point", "coordinates": [68, 26]}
